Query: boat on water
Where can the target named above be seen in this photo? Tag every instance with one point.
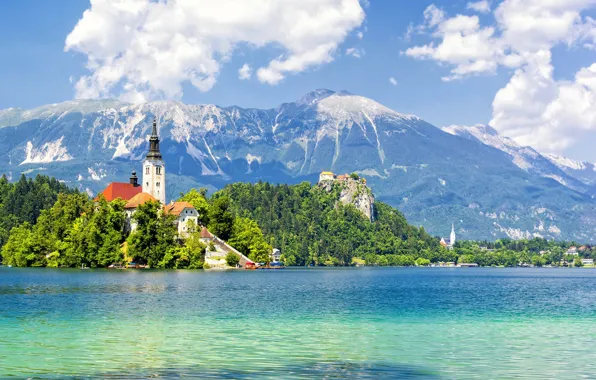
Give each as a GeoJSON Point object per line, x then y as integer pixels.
{"type": "Point", "coordinates": [84, 267]}
{"type": "Point", "coordinates": [272, 265]}
{"type": "Point", "coordinates": [133, 265]}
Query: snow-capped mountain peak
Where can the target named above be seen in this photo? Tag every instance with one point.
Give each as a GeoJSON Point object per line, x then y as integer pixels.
{"type": "Point", "coordinates": [565, 162]}
{"type": "Point", "coordinates": [582, 170]}
{"type": "Point", "coordinates": [524, 157]}
{"type": "Point", "coordinates": [408, 162]}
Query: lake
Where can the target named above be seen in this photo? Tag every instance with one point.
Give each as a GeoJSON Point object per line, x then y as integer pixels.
{"type": "Point", "coordinates": [419, 323]}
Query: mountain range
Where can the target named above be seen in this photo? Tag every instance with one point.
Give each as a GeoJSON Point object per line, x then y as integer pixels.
{"type": "Point", "coordinates": [484, 183]}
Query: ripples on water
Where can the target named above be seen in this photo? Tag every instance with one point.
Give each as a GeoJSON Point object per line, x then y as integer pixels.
{"type": "Point", "coordinates": [316, 323]}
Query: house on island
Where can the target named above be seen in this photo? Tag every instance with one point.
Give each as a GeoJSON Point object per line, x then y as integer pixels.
{"type": "Point", "coordinates": [276, 255]}
{"type": "Point", "coordinates": [449, 242]}
{"type": "Point", "coordinates": [184, 213]}
{"type": "Point", "coordinates": [152, 188]}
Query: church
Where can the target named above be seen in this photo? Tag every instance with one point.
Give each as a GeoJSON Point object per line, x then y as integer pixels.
{"type": "Point", "coordinates": [449, 243]}
{"type": "Point", "coordinates": [151, 188]}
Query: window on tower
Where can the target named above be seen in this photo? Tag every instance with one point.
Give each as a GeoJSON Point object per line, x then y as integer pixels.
{"type": "Point", "coordinates": [158, 170]}
{"type": "Point", "coordinates": [157, 184]}
{"type": "Point", "coordinates": [147, 170]}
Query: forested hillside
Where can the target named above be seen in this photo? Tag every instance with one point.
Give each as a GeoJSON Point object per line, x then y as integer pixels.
{"type": "Point", "coordinates": [310, 227]}
{"type": "Point", "coordinates": [23, 201]}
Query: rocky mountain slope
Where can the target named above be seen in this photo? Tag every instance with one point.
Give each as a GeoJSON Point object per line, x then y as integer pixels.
{"type": "Point", "coordinates": [434, 177]}
{"type": "Point", "coordinates": [561, 169]}
{"type": "Point", "coordinates": [353, 191]}
{"type": "Point", "coordinates": [581, 170]}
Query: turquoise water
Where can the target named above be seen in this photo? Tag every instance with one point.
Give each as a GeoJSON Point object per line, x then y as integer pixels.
{"type": "Point", "coordinates": [333, 323]}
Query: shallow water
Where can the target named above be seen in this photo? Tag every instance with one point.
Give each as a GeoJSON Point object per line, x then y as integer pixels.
{"type": "Point", "coordinates": [303, 323]}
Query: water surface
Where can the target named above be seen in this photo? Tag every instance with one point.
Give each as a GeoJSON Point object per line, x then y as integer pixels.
{"type": "Point", "coordinates": [430, 323]}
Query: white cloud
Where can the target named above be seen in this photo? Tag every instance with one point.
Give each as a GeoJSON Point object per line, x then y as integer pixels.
{"type": "Point", "coordinates": [533, 108]}
{"type": "Point", "coordinates": [393, 81]}
{"type": "Point", "coordinates": [145, 49]}
{"type": "Point", "coordinates": [245, 72]}
{"type": "Point", "coordinates": [482, 6]}
{"type": "Point", "coordinates": [354, 52]}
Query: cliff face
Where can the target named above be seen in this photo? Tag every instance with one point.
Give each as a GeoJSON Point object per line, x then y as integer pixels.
{"type": "Point", "coordinates": [354, 192]}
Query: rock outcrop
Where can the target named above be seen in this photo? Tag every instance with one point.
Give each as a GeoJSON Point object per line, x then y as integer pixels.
{"type": "Point", "coordinates": [354, 191]}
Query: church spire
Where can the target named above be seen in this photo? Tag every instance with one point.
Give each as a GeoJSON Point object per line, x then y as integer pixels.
{"type": "Point", "coordinates": [154, 142]}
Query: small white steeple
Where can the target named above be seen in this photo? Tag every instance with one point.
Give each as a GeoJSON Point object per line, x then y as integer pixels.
{"type": "Point", "coordinates": [452, 236]}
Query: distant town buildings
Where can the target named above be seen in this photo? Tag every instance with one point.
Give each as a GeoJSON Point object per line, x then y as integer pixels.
{"type": "Point", "coordinates": [572, 251]}
{"type": "Point", "coordinates": [587, 261]}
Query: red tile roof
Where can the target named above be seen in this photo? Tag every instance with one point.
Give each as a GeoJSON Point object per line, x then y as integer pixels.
{"type": "Point", "coordinates": [176, 208]}
{"type": "Point", "coordinates": [139, 199]}
{"type": "Point", "coordinates": [121, 190]}
{"type": "Point", "coordinates": [205, 234]}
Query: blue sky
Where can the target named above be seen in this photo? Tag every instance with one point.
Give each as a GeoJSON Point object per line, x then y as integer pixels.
{"type": "Point", "coordinates": [35, 69]}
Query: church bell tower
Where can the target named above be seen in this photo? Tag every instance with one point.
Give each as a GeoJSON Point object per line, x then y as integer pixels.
{"type": "Point", "coordinates": [154, 170]}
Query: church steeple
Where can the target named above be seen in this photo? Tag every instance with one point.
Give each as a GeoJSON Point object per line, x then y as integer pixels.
{"type": "Point", "coordinates": [154, 151]}
{"type": "Point", "coordinates": [452, 237]}
{"type": "Point", "coordinates": [154, 169]}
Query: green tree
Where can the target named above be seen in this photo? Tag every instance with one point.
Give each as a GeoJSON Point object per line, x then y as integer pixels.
{"type": "Point", "coordinates": [95, 238]}
{"type": "Point", "coordinates": [221, 219]}
{"type": "Point", "coordinates": [17, 250]}
{"type": "Point", "coordinates": [155, 234]}
{"type": "Point", "coordinates": [232, 259]}
{"type": "Point", "coordinates": [538, 261]}
{"type": "Point", "coordinates": [248, 238]}
{"type": "Point", "coordinates": [577, 262]}
{"type": "Point", "coordinates": [422, 262]}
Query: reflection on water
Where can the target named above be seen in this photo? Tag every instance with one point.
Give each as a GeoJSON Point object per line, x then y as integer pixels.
{"type": "Point", "coordinates": [308, 370]}
{"type": "Point", "coordinates": [360, 323]}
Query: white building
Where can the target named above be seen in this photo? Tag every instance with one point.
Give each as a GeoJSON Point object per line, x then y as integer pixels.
{"type": "Point", "coordinates": [449, 243]}
{"type": "Point", "coordinates": [185, 214]}
{"type": "Point", "coordinates": [276, 255]}
{"type": "Point", "coordinates": [572, 251]}
{"type": "Point", "coordinates": [588, 261]}
{"type": "Point", "coordinates": [326, 176]}
{"type": "Point", "coordinates": [154, 169]}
